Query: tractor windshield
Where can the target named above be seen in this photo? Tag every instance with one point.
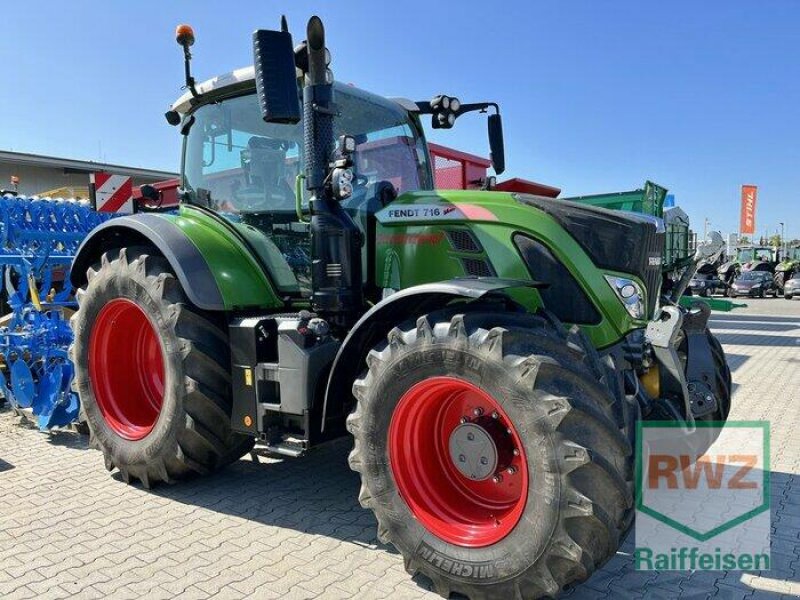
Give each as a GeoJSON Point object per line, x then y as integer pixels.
{"type": "Point", "coordinates": [754, 254]}
{"type": "Point", "coordinates": [246, 169]}
{"type": "Point", "coordinates": [235, 162]}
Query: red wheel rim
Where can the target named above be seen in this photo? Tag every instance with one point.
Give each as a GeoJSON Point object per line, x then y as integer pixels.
{"type": "Point", "coordinates": [126, 369]}
{"type": "Point", "coordinates": [436, 475]}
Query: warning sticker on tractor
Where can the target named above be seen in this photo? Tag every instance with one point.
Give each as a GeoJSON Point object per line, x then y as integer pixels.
{"type": "Point", "coordinates": [410, 213]}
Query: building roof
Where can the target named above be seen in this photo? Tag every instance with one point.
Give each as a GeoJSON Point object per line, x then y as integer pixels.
{"type": "Point", "coordinates": [80, 166]}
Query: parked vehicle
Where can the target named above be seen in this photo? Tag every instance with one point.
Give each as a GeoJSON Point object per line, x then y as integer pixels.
{"type": "Point", "coordinates": [755, 284]}
{"type": "Point", "coordinates": [788, 267]}
{"type": "Point", "coordinates": [707, 284]}
{"type": "Point", "coordinates": [489, 352]}
{"type": "Point", "coordinates": [748, 258]}
{"type": "Point", "coordinates": [792, 287]}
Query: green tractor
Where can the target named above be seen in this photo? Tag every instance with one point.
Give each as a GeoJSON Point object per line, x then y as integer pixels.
{"type": "Point", "coordinates": [489, 352]}
{"type": "Point", "coordinates": [747, 258]}
{"type": "Point", "coordinates": [788, 267]}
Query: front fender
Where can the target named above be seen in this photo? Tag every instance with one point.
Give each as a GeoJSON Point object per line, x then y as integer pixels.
{"type": "Point", "coordinates": [376, 323]}
{"type": "Point", "coordinates": [215, 269]}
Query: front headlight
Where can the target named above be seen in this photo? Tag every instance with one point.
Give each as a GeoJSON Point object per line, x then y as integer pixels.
{"type": "Point", "coordinates": [630, 294]}
{"type": "Point", "coordinates": [756, 287]}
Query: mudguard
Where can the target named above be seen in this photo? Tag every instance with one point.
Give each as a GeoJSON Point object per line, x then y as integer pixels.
{"type": "Point", "coordinates": [215, 267]}
{"type": "Point", "coordinates": [381, 318]}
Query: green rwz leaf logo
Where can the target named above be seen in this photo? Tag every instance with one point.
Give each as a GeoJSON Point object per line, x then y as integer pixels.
{"type": "Point", "coordinates": [700, 489]}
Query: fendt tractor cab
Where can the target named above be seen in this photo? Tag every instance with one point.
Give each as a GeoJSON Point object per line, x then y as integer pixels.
{"type": "Point", "coordinates": [490, 352]}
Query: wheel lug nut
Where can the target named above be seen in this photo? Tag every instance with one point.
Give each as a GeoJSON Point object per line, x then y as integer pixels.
{"type": "Point", "coordinates": [462, 458]}
{"type": "Point", "coordinates": [470, 436]}
{"type": "Point", "coordinates": [508, 430]}
{"type": "Point", "coordinates": [495, 415]}
{"type": "Point", "coordinates": [477, 411]}
{"type": "Point", "coordinates": [515, 452]}
{"type": "Point", "coordinates": [484, 460]}
{"type": "Point", "coordinates": [497, 478]}
{"type": "Point", "coordinates": [511, 470]}
{"type": "Point", "coordinates": [463, 420]}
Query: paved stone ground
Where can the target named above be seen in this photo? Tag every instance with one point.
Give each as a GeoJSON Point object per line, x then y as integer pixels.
{"type": "Point", "coordinates": [293, 529]}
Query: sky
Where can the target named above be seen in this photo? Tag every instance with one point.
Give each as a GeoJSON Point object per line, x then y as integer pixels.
{"type": "Point", "coordinates": [700, 97]}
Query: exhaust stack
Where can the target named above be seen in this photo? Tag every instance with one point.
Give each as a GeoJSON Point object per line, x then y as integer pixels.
{"type": "Point", "coordinates": [336, 274]}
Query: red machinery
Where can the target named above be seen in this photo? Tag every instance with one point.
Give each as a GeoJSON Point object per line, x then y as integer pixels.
{"type": "Point", "coordinates": [457, 170]}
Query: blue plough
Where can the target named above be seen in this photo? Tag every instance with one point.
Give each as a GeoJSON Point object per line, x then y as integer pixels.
{"type": "Point", "coordinates": [39, 238]}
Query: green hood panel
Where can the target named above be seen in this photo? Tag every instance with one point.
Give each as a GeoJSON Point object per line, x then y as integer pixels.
{"type": "Point", "coordinates": [416, 244]}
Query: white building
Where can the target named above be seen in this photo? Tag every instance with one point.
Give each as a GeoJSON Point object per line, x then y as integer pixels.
{"type": "Point", "coordinates": [64, 177]}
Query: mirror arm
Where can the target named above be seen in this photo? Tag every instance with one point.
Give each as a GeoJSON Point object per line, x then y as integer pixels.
{"type": "Point", "coordinates": [477, 106]}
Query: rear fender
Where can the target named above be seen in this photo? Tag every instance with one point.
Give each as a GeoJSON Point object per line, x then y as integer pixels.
{"type": "Point", "coordinates": [375, 325]}
{"type": "Point", "coordinates": [215, 269]}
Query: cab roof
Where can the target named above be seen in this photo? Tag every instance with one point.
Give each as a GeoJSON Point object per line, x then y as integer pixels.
{"type": "Point", "coordinates": [244, 80]}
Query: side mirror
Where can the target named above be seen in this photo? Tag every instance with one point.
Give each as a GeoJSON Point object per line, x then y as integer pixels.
{"type": "Point", "coordinates": [276, 81]}
{"type": "Point", "coordinates": [496, 146]}
{"type": "Point", "coordinates": [150, 195]}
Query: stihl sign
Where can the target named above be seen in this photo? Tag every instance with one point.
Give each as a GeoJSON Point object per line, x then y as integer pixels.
{"type": "Point", "coordinates": [112, 193]}
{"type": "Point", "coordinates": [747, 221]}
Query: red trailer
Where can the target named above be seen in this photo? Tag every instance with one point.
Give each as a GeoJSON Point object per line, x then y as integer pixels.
{"type": "Point", "coordinates": [457, 170]}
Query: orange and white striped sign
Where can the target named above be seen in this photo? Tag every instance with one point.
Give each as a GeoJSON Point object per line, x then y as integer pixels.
{"type": "Point", "coordinates": [113, 193]}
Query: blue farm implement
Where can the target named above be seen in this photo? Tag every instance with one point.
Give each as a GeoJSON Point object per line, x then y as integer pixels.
{"type": "Point", "coordinates": [40, 237]}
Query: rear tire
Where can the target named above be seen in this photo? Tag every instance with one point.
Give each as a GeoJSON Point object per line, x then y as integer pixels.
{"type": "Point", "coordinates": [575, 453]}
{"type": "Point", "coordinates": [152, 372]}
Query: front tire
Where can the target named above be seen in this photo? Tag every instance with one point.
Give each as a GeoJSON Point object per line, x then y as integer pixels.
{"type": "Point", "coordinates": [555, 500]}
{"type": "Point", "coordinates": [724, 381]}
{"type": "Point", "coordinates": [152, 372]}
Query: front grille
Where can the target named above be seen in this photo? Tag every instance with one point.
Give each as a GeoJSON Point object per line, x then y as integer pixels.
{"type": "Point", "coordinates": [652, 276]}
{"type": "Point", "coordinates": [476, 267]}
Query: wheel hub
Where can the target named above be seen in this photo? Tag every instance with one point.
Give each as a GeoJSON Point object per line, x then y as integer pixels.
{"type": "Point", "coordinates": [473, 451]}
{"type": "Point", "coordinates": [458, 461]}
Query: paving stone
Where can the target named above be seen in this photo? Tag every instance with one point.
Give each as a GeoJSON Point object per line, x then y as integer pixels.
{"type": "Point", "coordinates": [293, 529]}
